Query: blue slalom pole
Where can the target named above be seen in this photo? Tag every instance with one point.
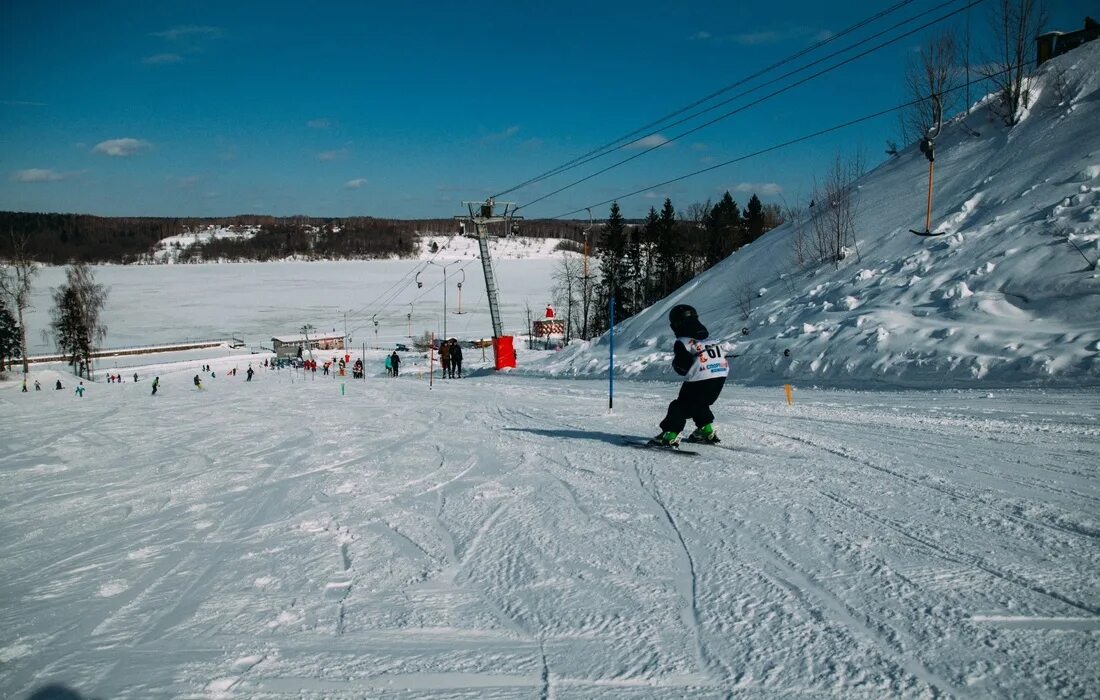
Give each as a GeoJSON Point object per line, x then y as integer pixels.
{"type": "Point", "coordinates": [611, 365]}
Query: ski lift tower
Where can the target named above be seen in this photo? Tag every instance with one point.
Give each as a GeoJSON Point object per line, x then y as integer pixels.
{"type": "Point", "coordinates": [481, 214]}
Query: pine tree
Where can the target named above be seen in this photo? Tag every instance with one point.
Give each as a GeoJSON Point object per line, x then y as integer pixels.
{"type": "Point", "coordinates": [754, 219]}
{"type": "Point", "coordinates": [635, 271]}
{"type": "Point", "coordinates": [649, 238]}
{"type": "Point", "coordinates": [612, 265]}
{"type": "Point", "coordinates": [723, 228]}
{"type": "Point", "coordinates": [9, 337]}
{"type": "Point", "coordinates": [667, 250]}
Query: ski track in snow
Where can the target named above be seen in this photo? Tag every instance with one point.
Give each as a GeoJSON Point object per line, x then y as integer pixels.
{"type": "Point", "coordinates": [492, 538]}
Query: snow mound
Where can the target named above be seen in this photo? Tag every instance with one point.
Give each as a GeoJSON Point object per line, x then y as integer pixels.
{"type": "Point", "coordinates": [167, 250]}
{"type": "Point", "coordinates": [1009, 294]}
{"type": "Point", "coordinates": [454, 247]}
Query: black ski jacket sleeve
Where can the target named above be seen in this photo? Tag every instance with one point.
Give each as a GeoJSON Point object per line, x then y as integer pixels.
{"type": "Point", "coordinates": [681, 358]}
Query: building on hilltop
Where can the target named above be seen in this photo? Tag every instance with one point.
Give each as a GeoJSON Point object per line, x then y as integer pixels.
{"type": "Point", "coordinates": [289, 346]}
{"type": "Point", "coordinates": [1052, 44]}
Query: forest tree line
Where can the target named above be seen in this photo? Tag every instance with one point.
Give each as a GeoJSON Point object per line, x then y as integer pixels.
{"type": "Point", "coordinates": [641, 263]}
{"type": "Point", "coordinates": [56, 239]}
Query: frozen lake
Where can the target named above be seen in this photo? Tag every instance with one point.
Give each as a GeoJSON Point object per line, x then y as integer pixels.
{"type": "Point", "coordinates": [255, 301]}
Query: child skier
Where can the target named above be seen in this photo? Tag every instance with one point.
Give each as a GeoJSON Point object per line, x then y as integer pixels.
{"type": "Point", "coordinates": [698, 358]}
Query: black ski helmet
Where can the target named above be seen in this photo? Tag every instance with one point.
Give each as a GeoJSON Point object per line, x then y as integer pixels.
{"type": "Point", "coordinates": [681, 315]}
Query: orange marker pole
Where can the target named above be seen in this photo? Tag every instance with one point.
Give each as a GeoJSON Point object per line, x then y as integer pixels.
{"type": "Point", "coordinates": [928, 216]}
{"type": "Point", "coordinates": [788, 390]}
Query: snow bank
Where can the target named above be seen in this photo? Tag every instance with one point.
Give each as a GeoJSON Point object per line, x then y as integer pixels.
{"type": "Point", "coordinates": [1004, 297]}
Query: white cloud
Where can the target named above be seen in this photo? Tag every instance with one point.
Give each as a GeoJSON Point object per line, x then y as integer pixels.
{"type": "Point", "coordinates": [650, 141]}
{"type": "Point", "coordinates": [757, 38]}
{"type": "Point", "coordinates": [37, 175]}
{"type": "Point", "coordinates": [788, 35]}
{"type": "Point", "coordinates": [185, 183]}
{"type": "Point", "coordinates": [189, 30]}
{"type": "Point", "coordinates": [121, 148]}
{"type": "Point", "coordinates": [700, 147]}
{"type": "Point", "coordinates": [333, 155]}
{"type": "Point", "coordinates": [768, 189]}
{"type": "Point", "coordinates": [162, 59]}
{"type": "Point", "coordinates": [318, 123]}
{"type": "Point", "coordinates": [500, 135]}
{"type": "Point", "coordinates": [355, 184]}
{"type": "Point", "coordinates": [22, 103]}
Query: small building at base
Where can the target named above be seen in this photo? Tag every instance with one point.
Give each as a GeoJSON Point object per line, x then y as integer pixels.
{"type": "Point", "coordinates": [548, 326]}
{"type": "Point", "coordinates": [288, 346]}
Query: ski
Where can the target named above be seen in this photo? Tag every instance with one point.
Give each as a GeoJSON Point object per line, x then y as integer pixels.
{"type": "Point", "coordinates": [646, 445]}
{"type": "Point", "coordinates": [731, 448]}
{"type": "Point", "coordinates": [927, 234]}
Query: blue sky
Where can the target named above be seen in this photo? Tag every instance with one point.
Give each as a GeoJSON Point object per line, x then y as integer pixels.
{"type": "Point", "coordinates": [406, 109]}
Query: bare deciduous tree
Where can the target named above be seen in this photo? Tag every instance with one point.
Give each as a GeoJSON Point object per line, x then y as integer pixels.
{"type": "Point", "coordinates": [800, 238]}
{"type": "Point", "coordinates": [1015, 25]}
{"type": "Point", "coordinates": [933, 73]}
{"type": "Point", "coordinates": [77, 325]}
{"type": "Point", "coordinates": [835, 207]}
{"type": "Point", "coordinates": [567, 277]}
{"type": "Point", "coordinates": [16, 275]}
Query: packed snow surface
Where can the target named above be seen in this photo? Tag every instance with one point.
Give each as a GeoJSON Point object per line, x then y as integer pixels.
{"type": "Point", "coordinates": [491, 537]}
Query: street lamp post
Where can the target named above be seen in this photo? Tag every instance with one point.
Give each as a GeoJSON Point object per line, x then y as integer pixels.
{"type": "Point", "coordinates": [444, 292]}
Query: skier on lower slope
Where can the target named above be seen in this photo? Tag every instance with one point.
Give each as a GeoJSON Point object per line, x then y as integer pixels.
{"type": "Point", "coordinates": [698, 359]}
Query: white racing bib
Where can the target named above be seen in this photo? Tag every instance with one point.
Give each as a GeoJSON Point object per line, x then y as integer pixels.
{"type": "Point", "coordinates": [709, 361]}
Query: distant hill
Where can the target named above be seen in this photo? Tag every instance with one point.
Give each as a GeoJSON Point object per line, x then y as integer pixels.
{"type": "Point", "coordinates": [60, 238]}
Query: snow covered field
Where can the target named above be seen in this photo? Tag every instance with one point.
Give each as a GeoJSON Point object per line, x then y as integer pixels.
{"type": "Point", "coordinates": [168, 303]}
{"type": "Point", "coordinates": [491, 538]}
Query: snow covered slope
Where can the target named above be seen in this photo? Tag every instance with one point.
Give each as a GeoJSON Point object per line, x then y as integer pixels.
{"type": "Point", "coordinates": [491, 538]}
{"type": "Point", "coordinates": [167, 250]}
{"type": "Point", "coordinates": [1003, 298]}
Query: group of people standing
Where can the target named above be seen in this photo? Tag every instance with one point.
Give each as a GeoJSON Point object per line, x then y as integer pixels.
{"type": "Point", "coordinates": [393, 364]}
{"type": "Point", "coordinates": [450, 358]}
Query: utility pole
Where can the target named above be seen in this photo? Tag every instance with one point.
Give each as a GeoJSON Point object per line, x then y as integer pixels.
{"type": "Point", "coordinates": [345, 329]}
{"type": "Point", "coordinates": [309, 346]}
{"type": "Point", "coordinates": [481, 214]}
{"type": "Point", "coordinates": [586, 289]}
{"type": "Point", "coordinates": [445, 336]}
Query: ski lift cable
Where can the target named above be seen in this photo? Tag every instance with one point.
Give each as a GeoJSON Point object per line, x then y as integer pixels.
{"type": "Point", "coordinates": [613, 145]}
{"type": "Point", "coordinates": [423, 265]}
{"type": "Point", "coordinates": [778, 146]}
{"type": "Point", "coordinates": [415, 299]}
{"type": "Point", "coordinates": [587, 159]}
{"type": "Point", "coordinates": [759, 100]}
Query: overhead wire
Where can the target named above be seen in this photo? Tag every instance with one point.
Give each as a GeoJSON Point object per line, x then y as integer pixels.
{"type": "Point", "coordinates": [627, 138]}
{"type": "Point", "coordinates": [775, 147]}
{"type": "Point", "coordinates": [770, 95]}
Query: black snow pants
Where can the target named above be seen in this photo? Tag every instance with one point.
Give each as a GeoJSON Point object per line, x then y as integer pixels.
{"type": "Point", "coordinates": [694, 402]}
